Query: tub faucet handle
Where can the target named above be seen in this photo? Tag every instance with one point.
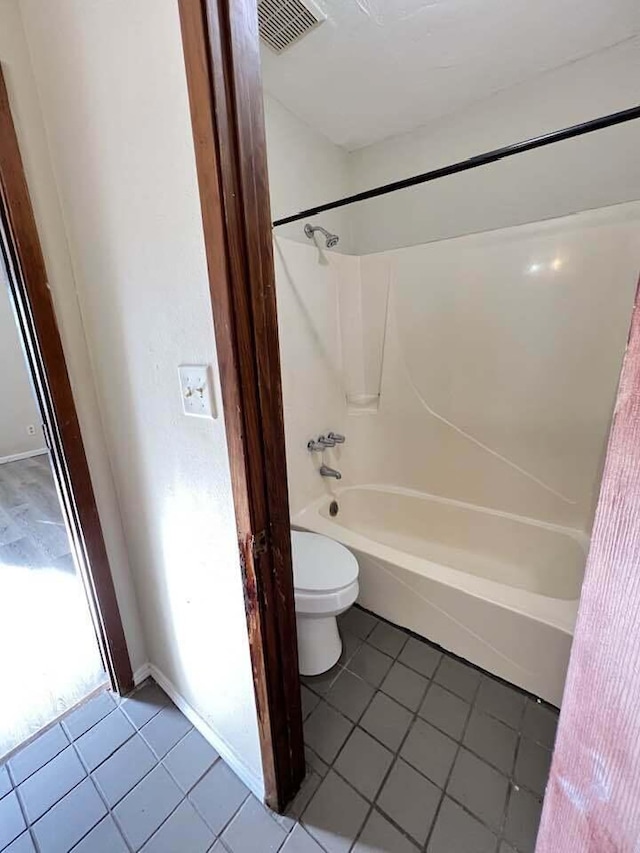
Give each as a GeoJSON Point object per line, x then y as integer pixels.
{"type": "Point", "coordinates": [315, 446]}
{"type": "Point", "coordinates": [327, 441]}
{"type": "Point", "coordinates": [337, 438]}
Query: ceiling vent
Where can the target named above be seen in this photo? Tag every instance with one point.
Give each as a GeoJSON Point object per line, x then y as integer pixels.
{"type": "Point", "coordinates": [284, 22]}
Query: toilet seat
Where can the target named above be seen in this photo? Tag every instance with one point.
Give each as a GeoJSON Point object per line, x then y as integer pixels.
{"type": "Point", "coordinates": [321, 566]}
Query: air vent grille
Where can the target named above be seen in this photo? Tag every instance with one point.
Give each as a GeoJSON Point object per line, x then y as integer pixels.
{"type": "Point", "coordinates": [284, 22]}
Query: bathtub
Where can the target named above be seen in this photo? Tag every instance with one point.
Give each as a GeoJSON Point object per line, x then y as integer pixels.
{"type": "Point", "coordinates": [497, 589]}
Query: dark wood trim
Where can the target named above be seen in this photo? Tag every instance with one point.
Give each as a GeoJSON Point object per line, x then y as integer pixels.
{"type": "Point", "coordinates": [221, 48]}
{"type": "Point", "coordinates": [36, 318]}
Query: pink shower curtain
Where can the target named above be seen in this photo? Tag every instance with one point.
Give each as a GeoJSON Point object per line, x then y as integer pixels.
{"type": "Point", "coordinates": [593, 796]}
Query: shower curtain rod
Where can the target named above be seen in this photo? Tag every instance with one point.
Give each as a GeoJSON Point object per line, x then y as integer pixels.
{"type": "Point", "coordinates": [472, 162]}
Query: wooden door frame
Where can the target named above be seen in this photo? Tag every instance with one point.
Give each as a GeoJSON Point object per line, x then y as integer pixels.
{"type": "Point", "coordinates": [37, 326]}
{"type": "Point", "coordinates": [222, 59]}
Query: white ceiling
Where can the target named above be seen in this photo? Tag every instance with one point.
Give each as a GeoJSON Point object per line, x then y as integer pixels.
{"type": "Point", "coordinates": [376, 68]}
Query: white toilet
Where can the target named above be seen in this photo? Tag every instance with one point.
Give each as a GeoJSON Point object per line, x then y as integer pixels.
{"type": "Point", "coordinates": [325, 578]}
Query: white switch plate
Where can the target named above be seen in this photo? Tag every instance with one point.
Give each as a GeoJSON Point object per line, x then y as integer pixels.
{"type": "Point", "coordinates": [196, 389]}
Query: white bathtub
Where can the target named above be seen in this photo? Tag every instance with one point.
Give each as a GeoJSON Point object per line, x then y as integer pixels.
{"type": "Point", "coordinates": [499, 590]}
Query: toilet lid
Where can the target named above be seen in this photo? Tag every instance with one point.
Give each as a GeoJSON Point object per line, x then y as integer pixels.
{"type": "Point", "coordinates": [320, 564]}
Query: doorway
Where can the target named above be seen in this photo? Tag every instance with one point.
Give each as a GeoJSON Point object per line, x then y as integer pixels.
{"type": "Point", "coordinates": [60, 615]}
{"type": "Point", "coordinates": [56, 662]}
{"type": "Point", "coordinates": [222, 60]}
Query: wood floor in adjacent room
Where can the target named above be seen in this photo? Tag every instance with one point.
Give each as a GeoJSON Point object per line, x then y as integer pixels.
{"type": "Point", "coordinates": [50, 658]}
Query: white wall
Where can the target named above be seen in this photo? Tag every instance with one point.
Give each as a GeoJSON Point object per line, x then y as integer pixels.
{"type": "Point", "coordinates": [19, 408]}
{"type": "Point", "coordinates": [27, 115]}
{"type": "Point", "coordinates": [588, 172]}
{"type": "Point", "coordinates": [501, 356]}
{"type": "Point", "coordinates": [113, 91]}
{"type": "Point", "coordinates": [305, 169]}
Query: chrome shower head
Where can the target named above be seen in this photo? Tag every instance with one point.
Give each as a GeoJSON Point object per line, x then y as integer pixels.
{"type": "Point", "coordinates": [331, 240]}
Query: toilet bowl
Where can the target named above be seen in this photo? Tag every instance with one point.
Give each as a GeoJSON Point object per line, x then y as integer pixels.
{"type": "Point", "coordinates": [325, 579]}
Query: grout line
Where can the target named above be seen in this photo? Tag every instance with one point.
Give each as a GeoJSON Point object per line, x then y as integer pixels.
{"type": "Point", "coordinates": [99, 792]}
{"type": "Point", "coordinates": [31, 823]}
{"type": "Point", "coordinates": [455, 759]}
{"type": "Point", "coordinates": [28, 743]}
{"type": "Point", "coordinates": [63, 720]}
{"type": "Point", "coordinates": [135, 725]}
{"type": "Point", "coordinates": [27, 822]}
{"type": "Point", "coordinates": [160, 758]}
{"type": "Point", "coordinates": [396, 756]}
{"type": "Point", "coordinates": [161, 761]}
{"type": "Point", "coordinates": [504, 816]}
{"type": "Point", "coordinates": [512, 782]}
{"type": "Point", "coordinates": [158, 762]}
{"type": "Point", "coordinates": [71, 744]}
{"type": "Point", "coordinates": [459, 742]}
{"type": "Point", "coordinates": [159, 827]}
{"type": "Point", "coordinates": [528, 698]}
{"type": "Point", "coordinates": [218, 835]}
{"type": "Point", "coordinates": [466, 662]}
{"type": "Point", "coordinates": [331, 765]}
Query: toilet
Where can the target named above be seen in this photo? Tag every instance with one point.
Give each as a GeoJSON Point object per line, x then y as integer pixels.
{"type": "Point", "coordinates": [325, 579]}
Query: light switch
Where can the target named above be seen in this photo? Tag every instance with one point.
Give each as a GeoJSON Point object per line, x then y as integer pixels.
{"type": "Point", "coordinates": [196, 388]}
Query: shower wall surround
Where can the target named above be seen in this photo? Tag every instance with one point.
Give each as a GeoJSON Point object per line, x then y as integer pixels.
{"type": "Point", "coordinates": [363, 305]}
{"type": "Point", "coordinates": [308, 284]}
{"type": "Point", "coordinates": [495, 356]}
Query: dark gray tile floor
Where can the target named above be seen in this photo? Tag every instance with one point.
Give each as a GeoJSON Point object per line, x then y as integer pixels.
{"type": "Point", "coordinates": [408, 749]}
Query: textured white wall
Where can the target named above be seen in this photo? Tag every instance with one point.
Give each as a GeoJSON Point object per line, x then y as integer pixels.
{"type": "Point", "coordinates": [27, 115]}
{"type": "Point", "coordinates": [113, 91]}
{"type": "Point", "coordinates": [18, 408]}
{"type": "Point", "coordinates": [588, 172]}
{"type": "Point", "coordinates": [305, 169]}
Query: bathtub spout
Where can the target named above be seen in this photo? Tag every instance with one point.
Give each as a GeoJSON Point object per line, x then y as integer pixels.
{"type": "Point", "coordinates": [325, 471]}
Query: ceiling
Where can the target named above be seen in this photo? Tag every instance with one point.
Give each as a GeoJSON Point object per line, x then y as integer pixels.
{"type": "Point", "coordinates": [377, 68]}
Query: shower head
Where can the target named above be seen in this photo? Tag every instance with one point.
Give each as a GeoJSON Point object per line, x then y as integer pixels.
{"type": "Point", "coordinates": [331, 240]}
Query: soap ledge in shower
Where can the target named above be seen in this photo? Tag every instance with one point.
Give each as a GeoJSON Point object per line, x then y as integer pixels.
{"type": "Point", "coordinates": [363, 404]}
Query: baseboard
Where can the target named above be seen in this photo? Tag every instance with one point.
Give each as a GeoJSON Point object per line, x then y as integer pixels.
{"type": "Point", "coordinates": [141, 674]}
{"type": "Point", "coordinates": [224, 750]}
{"type": "Point", "coordinates": [16, 457]}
